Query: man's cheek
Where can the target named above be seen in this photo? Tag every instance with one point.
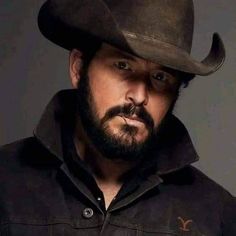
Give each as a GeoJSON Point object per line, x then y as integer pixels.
{"type": "Point", "coordinates": [114, 125]}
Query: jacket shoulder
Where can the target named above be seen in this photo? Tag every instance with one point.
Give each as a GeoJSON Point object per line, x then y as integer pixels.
{"type": "Point", "coordinates": [210, 185]}
{"type": "Point", "coordinates": [15, 147]}
{"type": "Point", "coordinates": [13, 152]}
{"type": "Point", "coordinates": [191, 179]}
{"type": "Point", "coordinates": [25, 154]}
{"type": "Point", "coordinates": [223, 198]}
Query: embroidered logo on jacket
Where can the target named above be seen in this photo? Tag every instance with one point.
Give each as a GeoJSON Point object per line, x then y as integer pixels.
{"type": "Point", "coordinates": [184, 224]}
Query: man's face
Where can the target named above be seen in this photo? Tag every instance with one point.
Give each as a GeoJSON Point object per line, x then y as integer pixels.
{"type": "Point", "coordinates": [127, 99]}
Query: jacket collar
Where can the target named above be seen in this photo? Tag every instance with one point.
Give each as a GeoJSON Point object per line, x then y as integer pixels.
{"type": "Point", "coordinates": [176, 153]}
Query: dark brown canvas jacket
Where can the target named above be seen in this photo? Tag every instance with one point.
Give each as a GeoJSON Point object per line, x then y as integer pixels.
{"type": "Point", "coordinates": [45, 191]}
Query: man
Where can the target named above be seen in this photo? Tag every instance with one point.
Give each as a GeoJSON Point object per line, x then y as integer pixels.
{"type": "Point", "coordinates": [108, 157]}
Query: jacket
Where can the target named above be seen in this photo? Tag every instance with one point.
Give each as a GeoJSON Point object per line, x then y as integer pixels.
{"type": "Point", "coordinates": [45, 189]}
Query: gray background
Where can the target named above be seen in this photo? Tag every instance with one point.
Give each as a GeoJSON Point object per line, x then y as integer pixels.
{"type": "Point", "coordinates": [33, 69]}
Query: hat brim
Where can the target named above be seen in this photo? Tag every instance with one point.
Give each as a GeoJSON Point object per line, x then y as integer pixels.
{"type": "Point", "coordinates": [64, 30]}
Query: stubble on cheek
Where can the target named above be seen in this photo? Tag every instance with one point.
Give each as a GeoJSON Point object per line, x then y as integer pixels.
{"type": "Point", "coordinates": [113, 126]}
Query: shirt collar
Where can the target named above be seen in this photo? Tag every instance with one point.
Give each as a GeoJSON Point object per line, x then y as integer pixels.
{"type": "Point", "coordinates": [176, 153]}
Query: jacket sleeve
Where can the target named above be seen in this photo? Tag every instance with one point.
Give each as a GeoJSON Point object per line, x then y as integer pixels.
{"type": "Point", "coordinates": [229, 216]}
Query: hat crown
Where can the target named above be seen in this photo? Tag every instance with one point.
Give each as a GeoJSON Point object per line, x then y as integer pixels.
{"type": "Point", "coordinates": [157, 30]}
{"type": "Point", "coordinates": [165, 20]}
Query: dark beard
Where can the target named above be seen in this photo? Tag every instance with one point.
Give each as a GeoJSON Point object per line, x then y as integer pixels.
{"type": "Point", "coordinates": [111, 146]}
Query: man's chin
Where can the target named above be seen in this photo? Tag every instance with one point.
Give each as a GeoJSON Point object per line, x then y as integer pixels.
{"type": "Point", "coordinates": [128, 135]}
{"type": "Point", "coordinates": [126, 142]}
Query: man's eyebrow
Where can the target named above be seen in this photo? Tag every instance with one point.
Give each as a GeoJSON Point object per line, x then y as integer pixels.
{"type": "Point", "coordinates": [120, 54]}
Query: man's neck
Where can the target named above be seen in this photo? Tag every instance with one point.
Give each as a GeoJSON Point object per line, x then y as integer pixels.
{"type": "Point", "coordinates": [108, 173]}
{"type": "Point", "coordinates": [104, 169]}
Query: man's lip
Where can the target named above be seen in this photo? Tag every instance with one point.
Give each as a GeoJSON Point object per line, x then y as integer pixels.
{"type": "Point", "coordinates": [134, 118]}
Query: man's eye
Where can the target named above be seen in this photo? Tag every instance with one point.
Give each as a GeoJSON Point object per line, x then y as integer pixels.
{"type": "Point", "coordinates": [160, 76]}
{"type": "Point", "coordinates": [123, 65]}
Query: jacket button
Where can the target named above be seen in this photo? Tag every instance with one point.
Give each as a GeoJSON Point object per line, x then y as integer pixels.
{"type": "Point", "coordinates": [87, 213]}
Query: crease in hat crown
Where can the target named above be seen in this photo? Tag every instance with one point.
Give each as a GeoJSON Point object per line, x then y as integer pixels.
{"type": "Point", "coordinates": [157, 30]}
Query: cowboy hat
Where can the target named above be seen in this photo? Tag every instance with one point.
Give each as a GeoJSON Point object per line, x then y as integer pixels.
{"type": "Point", "coordinates": [157, 30]}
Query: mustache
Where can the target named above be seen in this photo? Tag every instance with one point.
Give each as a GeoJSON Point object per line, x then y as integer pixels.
{"type": "Point", "coordinates": [129, 110]}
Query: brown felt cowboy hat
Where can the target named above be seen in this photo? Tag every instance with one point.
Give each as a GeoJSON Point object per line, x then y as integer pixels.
{"type": "Point", "coordinates": [156, 30]}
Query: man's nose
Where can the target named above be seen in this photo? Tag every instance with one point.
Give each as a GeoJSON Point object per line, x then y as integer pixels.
{"type": "Point", "coordinates": [137, 93]}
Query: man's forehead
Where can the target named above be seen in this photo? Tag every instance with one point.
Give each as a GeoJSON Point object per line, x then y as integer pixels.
{"type": "Point", "coordinates": [109, 50]}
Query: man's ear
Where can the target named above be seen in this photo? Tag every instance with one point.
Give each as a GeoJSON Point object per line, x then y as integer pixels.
{"type": "Point", "coordinates": [75, 67]}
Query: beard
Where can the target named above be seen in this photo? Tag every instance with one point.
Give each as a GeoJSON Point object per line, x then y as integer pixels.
{"type": "Point", "coordinates": [121, 146]}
